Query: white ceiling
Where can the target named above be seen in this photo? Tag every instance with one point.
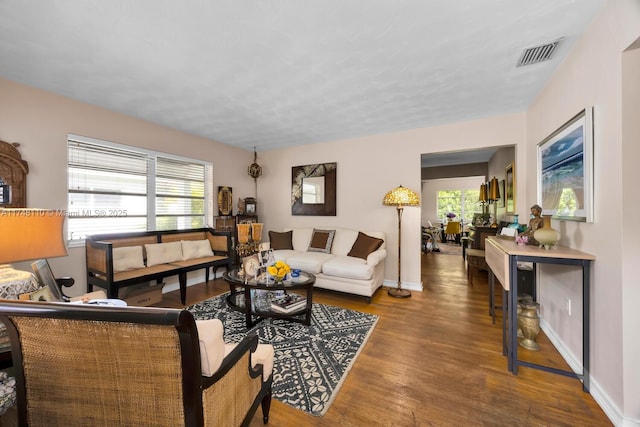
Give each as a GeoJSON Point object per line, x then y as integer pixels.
{"type": "Point", "coordinates": [279, 73]}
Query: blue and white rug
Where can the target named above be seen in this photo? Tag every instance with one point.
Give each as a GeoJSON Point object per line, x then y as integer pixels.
{"type": "Point", "coordinates": [311, 362]}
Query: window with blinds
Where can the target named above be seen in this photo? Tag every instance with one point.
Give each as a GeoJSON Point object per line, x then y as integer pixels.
{"type": "Point", "coordinates": [116, 188]}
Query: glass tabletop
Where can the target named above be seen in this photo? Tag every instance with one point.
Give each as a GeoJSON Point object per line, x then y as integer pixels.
{"type": "Point", "coordinates": [267, 280]}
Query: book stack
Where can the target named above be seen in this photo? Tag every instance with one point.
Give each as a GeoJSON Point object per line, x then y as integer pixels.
{"type": "Point", "coordinates": [288, 303]}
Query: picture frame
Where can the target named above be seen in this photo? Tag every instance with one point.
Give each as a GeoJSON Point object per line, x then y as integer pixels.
{"type": "Point", "coordinates": [502, 187]}
{"type": "Point", "coordinates": [565, 170]}
{"type": "Point", "coordinates": [225, 201]}
{"type": "Point", "coordinates": [251, 265]}
{"type": "Point", "coordinates": [42, 294]}
{"type": "Point", "coordinates": [266, 257]}
{"type": "Point", "coordinates": [42, 271]}
{"type": "Point", "coordinates": [313, 189]}
{"type": "Point", "coordinates": [250, 206]}
{"type": "Point", "coordinates": [510, 189]}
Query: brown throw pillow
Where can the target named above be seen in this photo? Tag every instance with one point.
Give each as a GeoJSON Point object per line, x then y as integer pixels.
{"type": "Point", "coordinates": [364, 245]}
{"type": "Point", "coordinates": [321, 241]}
{"type": "Point", "coordinates": [281, 240]}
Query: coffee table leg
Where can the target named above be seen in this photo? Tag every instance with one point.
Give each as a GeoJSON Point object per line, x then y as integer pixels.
{"type": "Point", "coordinates": [247, 307]}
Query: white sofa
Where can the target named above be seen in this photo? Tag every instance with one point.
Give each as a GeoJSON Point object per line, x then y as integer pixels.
{"type": "Point", "coordinates": [336, 270]}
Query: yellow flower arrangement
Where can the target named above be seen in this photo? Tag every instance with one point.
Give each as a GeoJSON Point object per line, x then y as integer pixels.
{"type": "Point", "coordinates": [279, 270]}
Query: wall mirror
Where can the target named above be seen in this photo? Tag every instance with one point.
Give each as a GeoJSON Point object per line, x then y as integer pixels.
{"type": "Point", "coordinates": [313, 189]}
{"type": "Point", "coordinates": [13, 177]}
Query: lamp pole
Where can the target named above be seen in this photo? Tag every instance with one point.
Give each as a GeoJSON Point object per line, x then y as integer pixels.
{"type": "Point", "coordinates": [399, 292]}
{"type": "Point", "coordinates": [399, 198]}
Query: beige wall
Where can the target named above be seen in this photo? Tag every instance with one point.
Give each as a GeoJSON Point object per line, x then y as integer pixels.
{"type": "Point", "coordinates": [630, 247]}
{"type": "Point", "coordinates": [591, 76]}
{"type": "Point", "coordinates": [368, 167]}
{"type": "Point", "coordinates": [40, 122]}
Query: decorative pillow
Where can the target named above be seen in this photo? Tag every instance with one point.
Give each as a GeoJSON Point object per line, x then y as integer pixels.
{"type": "Point", "coordinates": [210, 337]}
{"type": "Point", "coordinates": [162, 253]}
{"type": "Point", "coordinates": [321, 241]}
{"type": "Point", "coordinates": [281, 240]}
{"type": "Point", "coordinates": [127, 258]}
{"type": "Point", "coordinates": [364, 245]}
{"type": "Point", "coordinates": [195, 249]}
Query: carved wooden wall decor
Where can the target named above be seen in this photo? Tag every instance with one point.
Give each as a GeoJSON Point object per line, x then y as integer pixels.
{"type": "Point", "coordinates": [13, 172]}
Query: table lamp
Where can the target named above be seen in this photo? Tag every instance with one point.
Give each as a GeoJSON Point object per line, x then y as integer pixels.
{"type": "Point", "coordinates": [400, 197]}
{"type": "Point", "coordinates": [494, 195]}
{"type": "Point", "coordinates": [483, 196]}
{"type": "Point", "coordinates": [29, 234]}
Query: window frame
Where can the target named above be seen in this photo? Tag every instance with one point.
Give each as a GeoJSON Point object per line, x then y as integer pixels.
{"type": "Point", "coordinates": [151, 157]}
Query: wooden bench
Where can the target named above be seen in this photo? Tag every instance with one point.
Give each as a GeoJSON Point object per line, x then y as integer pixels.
{"type": "Point", "coordinates": [141, 268]}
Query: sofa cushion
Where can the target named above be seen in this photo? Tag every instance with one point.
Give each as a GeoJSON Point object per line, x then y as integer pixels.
{"type": "Point", "coordinates": [195, 249]}
{"type": "Point", "coordinates": [321, 241]}
{"type": "Point", "coordinates": [127, 258]}
{"type": "Point", "coordinates": [301, 238]}
{"type": "Point", "coordinates": [348, 267]}
{"type": "Point", "coordinates": [162, 253]}
{"type": "Point", "coordinates": [364, 245]}
{"type": "Point", "coordinates": [281, 240]}
{"type": "Point", "coordinates": [212, 348]}
{"type": "Point", "coordinates": [308, 261]}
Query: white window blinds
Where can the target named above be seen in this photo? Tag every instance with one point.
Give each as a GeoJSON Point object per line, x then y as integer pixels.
{"type": "Point", "coordinates": [115, 188]}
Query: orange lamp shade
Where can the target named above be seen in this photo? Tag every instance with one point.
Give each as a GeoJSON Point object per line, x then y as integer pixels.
{"type": "Point", "coordinates": [28, 234]}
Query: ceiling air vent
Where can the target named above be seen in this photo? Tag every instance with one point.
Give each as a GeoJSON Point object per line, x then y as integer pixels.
{"type": "Point", "coordinates": [536, 54]}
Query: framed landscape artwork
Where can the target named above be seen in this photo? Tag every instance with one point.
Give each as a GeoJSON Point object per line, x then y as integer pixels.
{"type": "Point", "coordinates": [565, 170]}
{"type": "Point", "coordinates": [509, 189]}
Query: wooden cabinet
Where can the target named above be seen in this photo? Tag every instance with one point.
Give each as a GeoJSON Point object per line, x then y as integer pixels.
{"type": "Point", "coordinates": [228, 223]}
{"type": "Point", "coordinates": [478, 234]}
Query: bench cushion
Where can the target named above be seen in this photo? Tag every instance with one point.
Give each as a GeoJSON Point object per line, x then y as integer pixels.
{"type": "Point", "coordinates": [162, 253]}
{"type": "Point", "coordinates": [127, 258]}
{"type": "Point", "coordinates": [195, 249]}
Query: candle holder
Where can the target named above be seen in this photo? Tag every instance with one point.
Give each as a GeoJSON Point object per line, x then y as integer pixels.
{"type": "Point", "coordinates": [249, 237]}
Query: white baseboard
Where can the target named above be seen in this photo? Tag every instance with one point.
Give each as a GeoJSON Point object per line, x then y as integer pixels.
{"type": "Point", "coordinates": [599, 395]}
{"type": "Point", "coordinates": [405, 285]}
{"type": "Point", "coordinates": [193, 278]}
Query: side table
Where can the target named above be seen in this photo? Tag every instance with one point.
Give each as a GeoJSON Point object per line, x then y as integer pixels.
{"type": "Point", "coordinates": [13, 283]}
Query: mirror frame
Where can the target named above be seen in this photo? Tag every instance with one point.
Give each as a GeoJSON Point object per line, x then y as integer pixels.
{"type": "Point", "coordinates": [13, 171]}
{"type": "Point", "coordinates": [225, 201]}
{"type": "Point", "coordinates": [298, 173]}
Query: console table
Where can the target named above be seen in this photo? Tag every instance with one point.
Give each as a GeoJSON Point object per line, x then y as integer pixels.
{"type": "Point", "coordinates": [503, 256]}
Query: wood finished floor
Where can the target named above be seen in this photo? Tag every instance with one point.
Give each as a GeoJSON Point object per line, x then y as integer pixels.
{"type": "Point", "coordinates": [435, 359]}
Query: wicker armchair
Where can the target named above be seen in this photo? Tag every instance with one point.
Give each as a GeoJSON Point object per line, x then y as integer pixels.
{"type": "Point", "coordinates": [107, 366]}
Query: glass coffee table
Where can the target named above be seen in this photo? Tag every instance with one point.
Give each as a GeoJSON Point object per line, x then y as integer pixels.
{"type": "Point", "coordinates": [254, 297]}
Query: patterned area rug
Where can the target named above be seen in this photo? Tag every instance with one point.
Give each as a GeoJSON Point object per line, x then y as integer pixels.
{"type": "Point", "coordinates": [450, 249]}
{"type": "Point", "coordinates": [311, 362]}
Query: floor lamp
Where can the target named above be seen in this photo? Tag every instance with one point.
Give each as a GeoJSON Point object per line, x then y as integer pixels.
{"type": "Point", "coordinates": [400, 197]}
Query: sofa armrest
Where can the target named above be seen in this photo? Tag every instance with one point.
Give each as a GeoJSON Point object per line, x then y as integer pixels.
{"type": "Point", "coordinates": [376, 257]}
